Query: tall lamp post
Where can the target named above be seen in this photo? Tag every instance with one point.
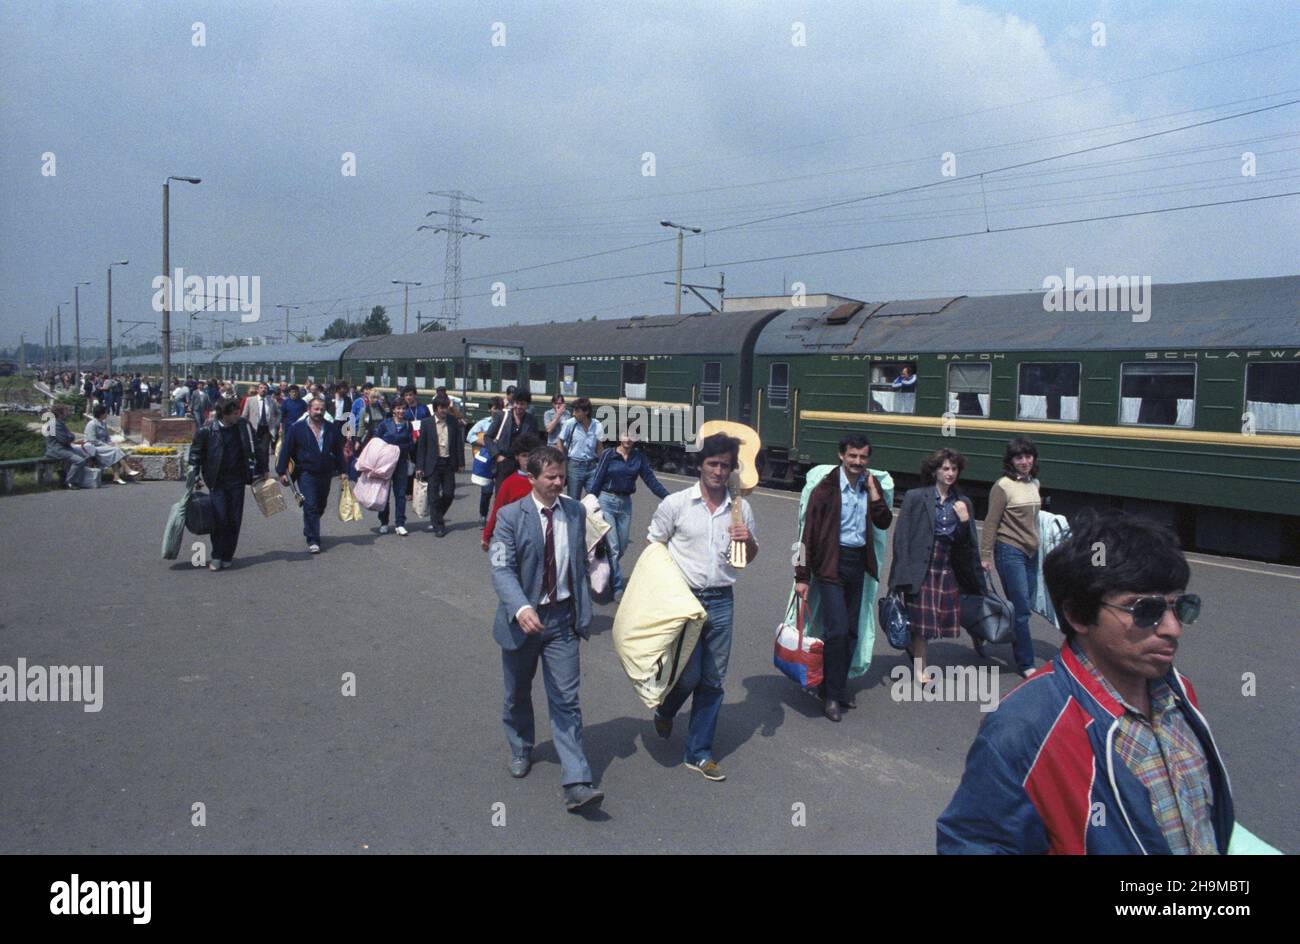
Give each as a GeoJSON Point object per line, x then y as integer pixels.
{"type": "Point", "coordinates": [406, 302]}
{"type": "Point", "coordinates": [287, 309]}
{"type": "Point", "coordinates": [681, 232]}
{"type": "Point", "coordinates": [110, 312]}
{"type": "Point", "coordinates": [76, 301]}
{"type": "Point", "coordinates": [167, 275]}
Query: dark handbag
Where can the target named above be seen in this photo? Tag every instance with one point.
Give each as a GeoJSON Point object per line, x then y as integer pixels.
{"type": "Point", "coordinates": [198, 513]}
{"type": "Point", "coordinates": [892, 610]}
{"type": "Point", "coordinates": [987, 616]}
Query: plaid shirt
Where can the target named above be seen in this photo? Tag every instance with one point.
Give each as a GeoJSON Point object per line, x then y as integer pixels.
{"type": "Point", "coordinates": [1164, 754]}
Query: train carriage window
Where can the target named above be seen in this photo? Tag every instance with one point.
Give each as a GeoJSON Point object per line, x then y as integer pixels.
{"type": "Point", "coordinates": [1048, 392]}
{"type": "Point", "coordinates": [569, 380]}
{"type": "Point", "coordinates": [483, 376]}
{"type": "Point", "coordinates": [893, 387]}
{"type": "Point", "coordinates": [778, 387]}
{"type": "Point", "coordinates": [1157, 394]}
{"type": "Point", "coordinates": [711, 382]}
{"type": "Point", "coordinates": [1273, 397]}
{"type": "Point", "coordinates": [537, 378]}
{"type": "Point", "coordinates": [634, 383]}
{"type": "Point", "coordinates": [968, 389]}
{"type": "Point", "coordinates": [509, 375]}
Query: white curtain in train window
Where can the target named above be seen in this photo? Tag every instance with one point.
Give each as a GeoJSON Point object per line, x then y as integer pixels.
{"type": "Point", "coordinates": [1131, 407]}
{"type": "Point", "coordinates": [1274, 417]}
{"type": "Point", "coordinates": [439, 381]}
{"type": "Point", "coordinates": [419, 382]}
{"type": "Point", "coordinates": [537, 386]}
{"type": "Point", "coordinates": [1032, 407]}
{"type": "Point", "coordinates": [894, 401]}
{"type": "Point", "coordinates": [954, 404]}
{"type": "Point", "coordinates": [634, 391]}
{"type": "Point", "coordinates": [1070, 409]}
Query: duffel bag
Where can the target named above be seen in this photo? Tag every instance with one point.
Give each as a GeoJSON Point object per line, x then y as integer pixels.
{"type": "Point", "coordinates": [987, 616]}
{"type": "Point", "coordinates": [892, 610]}
{"type": "Point", "coordinates": [198, 513]}
{"type": "Point", "coordinates": [797, 655]}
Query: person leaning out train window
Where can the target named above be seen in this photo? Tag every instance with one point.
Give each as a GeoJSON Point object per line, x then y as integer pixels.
{"type": "Point", "coordinates": [935, 556]}
{"type": "Point", "coordinates": [1009, 539]}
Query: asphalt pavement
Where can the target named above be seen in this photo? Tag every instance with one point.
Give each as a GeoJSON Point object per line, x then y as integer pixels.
{"type": "Point", "coordinates": [227, 690]}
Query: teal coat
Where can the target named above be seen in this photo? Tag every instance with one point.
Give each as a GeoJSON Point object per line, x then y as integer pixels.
{"type": "Point", "coordinates": [867, 615]}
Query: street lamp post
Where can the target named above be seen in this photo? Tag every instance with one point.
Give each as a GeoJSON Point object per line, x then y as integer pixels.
{"type": "Point", "coordinates": [406, 303]}
{"type": "Point", "coordinates": [167, 276]}
{"type": "Point", "coordinates": [76, 301]}
{"type": "Point", "coordinates": [110, 312]}
{"type": "Point", "coordinates": [681, 232]}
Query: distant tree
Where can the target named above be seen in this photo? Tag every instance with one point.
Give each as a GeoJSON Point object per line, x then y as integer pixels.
{"type": "Point", "coordinates": [341, 328]}
{"type": "Point", "coordinates": [376, 323]}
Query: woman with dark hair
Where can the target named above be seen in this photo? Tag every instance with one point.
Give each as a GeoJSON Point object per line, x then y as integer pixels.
{"type": "Point", "coordinates": [934, 559]}
{"type": "Point", "coordinates": [1010, 539]}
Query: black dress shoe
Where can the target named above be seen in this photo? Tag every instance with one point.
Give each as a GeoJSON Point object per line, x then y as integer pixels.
{"type": "Point", "coordinates": [832, 710]}
{"type": "Point", "coordinates": [849, 702]}
{"type": "Point", "coordinates": [663, 727]}
{"type": "Point", "coordinates": [520, 766]}
{"type": "Point", "coordinates": [582, 796]}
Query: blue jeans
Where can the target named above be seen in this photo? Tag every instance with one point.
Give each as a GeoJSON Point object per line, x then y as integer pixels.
{"type": "Point", "coordinates": [618, 512]}
{"type": "Point", "coordinates": [1019, 574]}
{"type": "Point", "coordinates": [396, 494]}
{"type": "Point", "coordinates": [579, 469]}
{"type": "Point", "coordinates": [315, 498]}
{"type": "Point", "coordinates": [703, 676]}
{"type": "Point", "coordinates": [556, 646]}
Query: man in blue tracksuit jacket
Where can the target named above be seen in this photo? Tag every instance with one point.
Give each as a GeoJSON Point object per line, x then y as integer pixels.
{"type": "Point", "coordinates": [316, 449]}
{"type": "Point", "coordinates": [1104, 750]}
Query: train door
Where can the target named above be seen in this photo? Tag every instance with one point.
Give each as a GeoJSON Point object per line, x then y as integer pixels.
{"type": "Point", "coordinates": [773, 406]}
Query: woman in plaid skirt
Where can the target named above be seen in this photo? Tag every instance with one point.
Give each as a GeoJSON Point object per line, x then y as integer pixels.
{"type": "Point", "coordinates": [936, 552]}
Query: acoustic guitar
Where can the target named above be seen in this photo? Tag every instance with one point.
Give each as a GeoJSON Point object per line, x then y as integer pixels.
{"type": "Point", "coordinates": [744, 478]}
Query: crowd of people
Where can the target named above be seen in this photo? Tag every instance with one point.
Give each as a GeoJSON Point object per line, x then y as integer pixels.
{"type": "Point", "coordinates": [1106, 720]}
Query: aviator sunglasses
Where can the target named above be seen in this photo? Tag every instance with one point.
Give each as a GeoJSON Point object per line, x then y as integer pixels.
{"type": "Point", "coordinates": [1148, 611]}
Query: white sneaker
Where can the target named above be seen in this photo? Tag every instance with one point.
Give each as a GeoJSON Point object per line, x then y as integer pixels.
{"type": "Point", "coordinates": [313, 548]}
{"type": "Point", "coordinates": [383, 529]}
{"type": "Point", "coordinates": [402, 531]}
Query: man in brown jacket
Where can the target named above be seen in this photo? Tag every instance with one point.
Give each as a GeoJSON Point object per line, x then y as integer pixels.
{"type": "Point", "coordinates": [837, 550]}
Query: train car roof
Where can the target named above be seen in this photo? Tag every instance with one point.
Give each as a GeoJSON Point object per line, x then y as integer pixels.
{"type": "Point", "coordinates": [1236, 313]}
{"type": "Point", "coordinates": [700, 333]}
{"type": "Point", "coordinates": [299, 352]}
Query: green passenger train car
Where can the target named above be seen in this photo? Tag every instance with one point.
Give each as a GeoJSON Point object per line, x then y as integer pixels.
{"type": "Point", "coordinates": [1192, 415]}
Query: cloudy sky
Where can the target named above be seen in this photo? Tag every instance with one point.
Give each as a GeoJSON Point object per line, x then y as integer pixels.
{"type": "Point", "coordinates": [772, 126]}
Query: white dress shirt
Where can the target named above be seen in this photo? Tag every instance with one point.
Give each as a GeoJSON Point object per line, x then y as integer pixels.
{"type": "Point", "coordinates": [562, 589]}
{"type": "Point", "coordinates": [699, 541]}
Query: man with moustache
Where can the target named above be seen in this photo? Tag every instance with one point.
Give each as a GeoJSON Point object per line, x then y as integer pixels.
{"type": "Point", "coordinates": [539, 571]}
{"type": "Point", "coordinates": [439, 455]}
{"type": "Point", "coordinates": [838, 551]}
{"type": "Point", "coordinates": [316, 450]}
{"type": "Point", "coordinates": [1107, 726]}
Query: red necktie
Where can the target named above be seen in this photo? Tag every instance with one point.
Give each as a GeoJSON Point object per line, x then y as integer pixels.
{"type": "Point", "coordinates": [548, 574]}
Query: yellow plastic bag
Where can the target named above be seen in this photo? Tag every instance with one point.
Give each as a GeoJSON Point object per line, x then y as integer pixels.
{"type": "Point", "coordinates": [349, 510]}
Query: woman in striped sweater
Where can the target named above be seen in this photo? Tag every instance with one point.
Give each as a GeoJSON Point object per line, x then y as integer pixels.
{"type": "Point", "coordinates": [1009, 539]}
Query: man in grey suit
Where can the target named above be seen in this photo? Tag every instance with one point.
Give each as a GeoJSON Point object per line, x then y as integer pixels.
{"type": "Point", "coordinates": [263, 415]}
{"type": "Point", "coordinates": [539, 571]}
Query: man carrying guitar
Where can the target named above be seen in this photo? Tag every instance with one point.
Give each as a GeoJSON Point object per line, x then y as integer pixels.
{"type": "Point", "coordinates": [699, 527]}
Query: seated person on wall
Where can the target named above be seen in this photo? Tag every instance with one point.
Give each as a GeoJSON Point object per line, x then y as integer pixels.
{"type": "Point", "coordinates": [99, 443]}
{"type": "Point", "coordinates": [59, 444]}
